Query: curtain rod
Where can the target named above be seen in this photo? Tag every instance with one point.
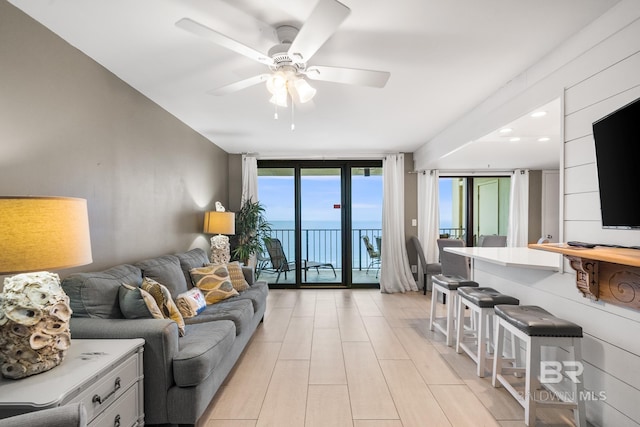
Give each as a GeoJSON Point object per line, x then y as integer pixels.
{"type": "Point", "coordinates": [355, 156]}
{"type": "Point", "coordinates": [464, 172]}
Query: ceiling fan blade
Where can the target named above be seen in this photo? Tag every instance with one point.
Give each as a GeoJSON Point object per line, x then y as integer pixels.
{"type": "Point", "coordinates": [351, 76]}
{"type": "Point", "coordinates": [242, 84]}
{"type": "Point", "coordinates": [323, 22]}
{"type": "Point", "coordinates": [220, 39]}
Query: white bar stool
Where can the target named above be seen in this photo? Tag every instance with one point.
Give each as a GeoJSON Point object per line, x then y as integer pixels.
{"type": "Point", "coordinates": [448, 287]}
{"type": "Point", "coordinates": [480, 302]}
{"type": "Point", "coordinates": [537, 327]}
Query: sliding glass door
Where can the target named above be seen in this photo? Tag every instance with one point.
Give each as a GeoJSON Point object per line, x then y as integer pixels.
{"type": "Point", "coordinates": [321, 218]}
{"type": "Point", "coordinates": [278, 196]}
{"type": "Point", "coordinates": [474, 207]}
{"type": "Point", "coordinates": [326, 217]}
{"type": "Point", "coordinates": [366, 224]}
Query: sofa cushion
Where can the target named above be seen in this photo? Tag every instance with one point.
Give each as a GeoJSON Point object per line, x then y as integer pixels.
{"type": "Point", "coordinates": [214, 282]}
{"type": "Point", "coordinates": [166, 270]}
{"type": "Point", "coordinates": [192, 259]}
{"type": "Point", "coordinates": [201, 350]}
{"type": "Point", "coordinates": [257, 294]}
{"type": "Point", "coordinates": [136, 303]}
{"type": "Point", "coordinates": [165, 303]}
{"type": "Point", "coordinates": [240, 312]}
{"type": "Point", "coordinates": [96, 294]}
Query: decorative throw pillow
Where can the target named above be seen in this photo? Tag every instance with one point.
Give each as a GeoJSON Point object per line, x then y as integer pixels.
{"type": "Point", "coordinates": [214, 282]}
{"type": "Point", "coordinates": [191, 303]}
{"type": "Point", "coordinates": [136, 303]}
{"type": "Point", "coordinates": [163, 298]}
{"type": "Point", "coordinates": [237, 277]}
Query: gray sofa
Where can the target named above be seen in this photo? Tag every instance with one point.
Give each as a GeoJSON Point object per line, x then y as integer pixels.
{"type": "Point", "coordinates": [72, 415]}
{"type": "Point", "coordinates": [181, 374]}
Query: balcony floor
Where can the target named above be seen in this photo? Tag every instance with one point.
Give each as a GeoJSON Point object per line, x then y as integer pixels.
{"type": "Point", "coordinates": [324, 277]}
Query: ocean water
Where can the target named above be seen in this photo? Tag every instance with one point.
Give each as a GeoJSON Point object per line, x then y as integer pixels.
{"type": "Point", "coordinates": [325, 225]}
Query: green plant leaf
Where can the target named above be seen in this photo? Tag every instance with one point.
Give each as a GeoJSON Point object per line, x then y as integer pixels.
{"type": "Point", "coordinates": [252, 230]}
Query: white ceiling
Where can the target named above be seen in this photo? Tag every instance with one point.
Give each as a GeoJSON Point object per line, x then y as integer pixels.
{"type": "Point", "coordinates": [445, 57]}
{"type": "Point", "coordinates": [517, 146]}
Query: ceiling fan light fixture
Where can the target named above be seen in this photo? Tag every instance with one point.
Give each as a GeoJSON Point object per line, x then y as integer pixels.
{"type": "Point", "coordinates": [305, 91]}
{"type": "Point", "coordinates": [279, 98]}
{"type": "Point", "coordinates": [276, 82]}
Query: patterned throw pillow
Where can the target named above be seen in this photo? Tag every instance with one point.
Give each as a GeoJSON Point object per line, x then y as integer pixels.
{"type": "Point", "coordinates": [237, 277]}
{"type": "Point", "coordinates": [191, 303]}
{"type": "Point", "coordinates": [163, 298]}
{"type": "Point", "coordinates": [136, 303]}
{"type": "Point", "coordinates": [214, 282]}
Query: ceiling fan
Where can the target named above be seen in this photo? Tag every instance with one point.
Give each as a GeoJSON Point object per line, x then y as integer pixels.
{"type": "Point", "coordinates": [288, 60]}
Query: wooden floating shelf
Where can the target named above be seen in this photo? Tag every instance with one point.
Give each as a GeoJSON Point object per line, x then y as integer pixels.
{"type": "Point", "coordinates": [602, 273]}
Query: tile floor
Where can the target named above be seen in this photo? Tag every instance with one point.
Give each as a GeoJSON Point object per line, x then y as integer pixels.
{"type": "Point", "coordinates": [358, 358]}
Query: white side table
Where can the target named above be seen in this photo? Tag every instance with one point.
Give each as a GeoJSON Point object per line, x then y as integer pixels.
{"type": "Point", "coordinates": [106, 375]}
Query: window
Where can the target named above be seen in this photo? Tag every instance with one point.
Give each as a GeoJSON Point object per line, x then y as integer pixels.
{"type": "Point", "coordinates": [323, 214]}
{"type": "Point", "coordinates": [471, 207]}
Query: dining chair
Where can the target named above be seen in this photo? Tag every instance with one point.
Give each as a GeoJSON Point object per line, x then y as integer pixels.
{"type": "Point", "coordinates": [428, 269]}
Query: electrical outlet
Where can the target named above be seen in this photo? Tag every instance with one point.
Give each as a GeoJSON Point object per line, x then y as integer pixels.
{"type": "Point", "coordinates": [414, 268]}
{"type": "Point", "coordinates": [414, 222]}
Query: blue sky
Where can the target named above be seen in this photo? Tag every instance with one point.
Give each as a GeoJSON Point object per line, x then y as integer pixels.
{"type": "Point", "coordinates": [446, 207]}
{"type": "Point", "coordinates": [319, 195]}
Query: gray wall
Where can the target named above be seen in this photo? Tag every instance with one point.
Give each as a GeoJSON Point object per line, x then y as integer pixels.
{"type": "Point", "coordinates": [68, 127]}
{"type": "Point", "coordinates": [235, 182]}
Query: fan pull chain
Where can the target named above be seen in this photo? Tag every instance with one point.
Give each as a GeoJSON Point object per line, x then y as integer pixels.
{"type": "Point", "coordinates": [293, 125]}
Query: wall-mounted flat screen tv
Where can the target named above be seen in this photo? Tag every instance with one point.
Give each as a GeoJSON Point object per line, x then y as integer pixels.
{"type": "Point", "coordinates": [617, 143]}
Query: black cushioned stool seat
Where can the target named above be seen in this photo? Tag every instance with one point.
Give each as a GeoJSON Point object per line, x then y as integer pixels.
{"type": "Point", "coordinates": [477, 339]}
{"type": "Point", "coordinates": [452, 282]}
{"type": "Point", "coordinates": [537, 322]}
{"type": "Point", "coordinates": [538, 328]}
{"type": "Point", "coordinates": [485, 297]}
{"type": "Point", "coordinates": [448, 286]}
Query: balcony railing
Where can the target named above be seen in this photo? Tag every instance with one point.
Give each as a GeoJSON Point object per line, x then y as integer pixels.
{"type": "Point", "coordinates": [325, 245]}
{"type": "Point", "coordinates": [452, 233]}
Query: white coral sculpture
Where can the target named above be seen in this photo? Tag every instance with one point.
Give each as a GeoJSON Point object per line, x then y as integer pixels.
{"type": "Point", "coordinates": [34, 324]}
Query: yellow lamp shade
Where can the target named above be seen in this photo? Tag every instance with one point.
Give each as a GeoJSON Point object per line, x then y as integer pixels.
{"type": "Point", "coordinates": [43, 233]}
{"type": "Point", "coordinates": [220, 222]}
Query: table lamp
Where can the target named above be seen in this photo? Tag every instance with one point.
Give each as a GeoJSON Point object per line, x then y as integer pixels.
{"type": "Point", "coordinates": [220, 222]}
{"type": "Point", "coordinates": [38, 233]}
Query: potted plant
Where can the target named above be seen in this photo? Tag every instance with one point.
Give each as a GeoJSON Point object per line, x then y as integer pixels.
{"type": "Point", "coordinates": [252, 231]}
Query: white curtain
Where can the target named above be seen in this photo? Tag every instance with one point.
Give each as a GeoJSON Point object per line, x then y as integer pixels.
{"type": "Point", "coordinates": [395, 273]}
{"type": "Point", "coordinates": [518, 231]}
{"type": "Point", "coordinates": [249, 179]}
{"type": "Point", "coordinates": [428, 217]}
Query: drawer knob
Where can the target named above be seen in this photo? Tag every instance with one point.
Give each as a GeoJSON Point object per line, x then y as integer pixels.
{"type": "Point", "coordinates": [100, 400]}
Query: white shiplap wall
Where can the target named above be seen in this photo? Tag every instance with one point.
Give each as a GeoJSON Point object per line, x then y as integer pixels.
{"type": "Point", "coordinates": [612, 349]}
{"type": "Point", "coordinates": [600, 73]}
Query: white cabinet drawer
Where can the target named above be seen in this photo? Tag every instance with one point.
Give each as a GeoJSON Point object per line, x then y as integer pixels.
{"type": "Point", "coordinates": [90, 373]}
{"type": "Point", "coordinates": [123, 412]}
{"type": "Point", "coordinates": [108, 389]}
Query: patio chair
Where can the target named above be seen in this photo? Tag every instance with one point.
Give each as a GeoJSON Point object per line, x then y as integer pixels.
{"type": "Point", "coordinates": [279, 263]}
{"type": "Point", "coordinates": [374, 256]}
{"type": "Point", "coordinates": [262, 263]}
